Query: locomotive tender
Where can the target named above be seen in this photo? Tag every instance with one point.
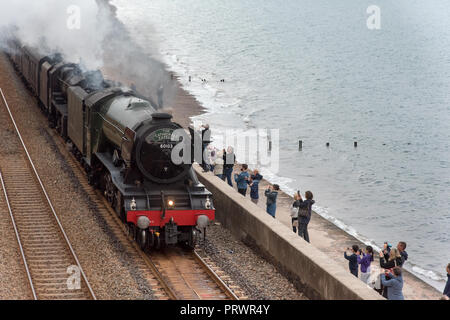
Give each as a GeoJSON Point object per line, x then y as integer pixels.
{"type": "Point", "coordinates": [125, 147]}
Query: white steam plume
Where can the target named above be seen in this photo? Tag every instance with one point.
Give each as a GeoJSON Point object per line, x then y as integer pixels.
{"type": "Point", "coordinates": [100, 42]}
{"type": "Point", "coordinates": [53, 26]}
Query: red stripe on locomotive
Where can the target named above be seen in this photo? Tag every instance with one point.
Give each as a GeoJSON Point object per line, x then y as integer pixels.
{"type": "Point", "coordinates": [180, 217]}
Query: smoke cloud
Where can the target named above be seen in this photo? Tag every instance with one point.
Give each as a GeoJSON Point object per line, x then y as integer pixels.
{"type": "Point", "coordinates": [87, 32]}
{"type": "Point", "coordinates": [76, 29]}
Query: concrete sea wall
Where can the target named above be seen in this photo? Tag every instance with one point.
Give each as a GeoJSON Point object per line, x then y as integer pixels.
{"type": "Point", "coordinates": [310, 268]}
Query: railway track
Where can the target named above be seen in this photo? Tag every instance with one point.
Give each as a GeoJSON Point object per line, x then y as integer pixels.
{"type": "Point", "coordinates": [174, 275]}
{"type": "Point", "coordinates": [53, 269]}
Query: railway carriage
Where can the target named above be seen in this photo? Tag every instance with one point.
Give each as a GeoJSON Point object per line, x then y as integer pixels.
{"type": "Point", "coordinates": [124, 145]}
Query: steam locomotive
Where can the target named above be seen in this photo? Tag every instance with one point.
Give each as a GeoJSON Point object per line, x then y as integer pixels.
{"type": "Point", "coordinates": [125, 147]}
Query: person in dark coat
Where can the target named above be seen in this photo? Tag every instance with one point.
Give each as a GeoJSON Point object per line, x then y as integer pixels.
{"type": "Point", "coordinates": [391, 260]}
{"type": "Point", "coordinates": [229, 159]}
{"type": "Point", "coordinates": [394, 284]}
{"type": "Point", "coordinates": [255, 179]}
{"type": "Point", "coordinates": [401, 246]}
{"type": "Point", "coordinates": [303, 221]}
{"type": "Point", "coordinates": [352, 260]}
{"type": "Point", "coordinates": [206, 140]}
{"type": "Point", "coordinates": [447, 286]}
{"type": "Point", "coordinates": [272, 193]}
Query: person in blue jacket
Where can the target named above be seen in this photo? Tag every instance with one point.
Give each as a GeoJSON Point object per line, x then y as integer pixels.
{"type": "Point", "coordinates": [242, 180]}
{"type": "Point", "coordinates": [271, 194]}
{"type": "Point", "coordinates": [447, 286]}
{"type": "Point", "coordinates": [254, 186]}
{"type": "Point", "coordinates": [394, 285]}
{"type": "Point", "coordinates": [353, 260]}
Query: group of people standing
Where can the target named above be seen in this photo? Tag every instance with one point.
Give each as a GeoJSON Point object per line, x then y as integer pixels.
{"type": "Point", "coordinates": [222, 164]}
{"type": "Point", "coordinates": [390, 282]}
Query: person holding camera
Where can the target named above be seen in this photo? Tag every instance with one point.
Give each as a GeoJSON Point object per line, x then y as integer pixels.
{"type": "Point", "coordinates": [255, 179]}
{"type": "Point", "coordinates": [304, 213]}
{"type": "Point", "coordinates": [393, 282]}
{"type": "Point", "coordinates": [294, 211]}
{"type": "Point", "coordinates": [365, 263]}
{"type": "Point", "coordinates": [352, 259]}
{"type": "Point", "coordinates": [389, 261]}
{"type": "Point", "coordinates": [242, 180]}
{"type": "Point", "coordinates": [271, 194]}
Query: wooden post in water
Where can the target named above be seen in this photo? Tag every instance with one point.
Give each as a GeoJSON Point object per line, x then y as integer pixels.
{"type": "Point", "coordinates": [300, 145]}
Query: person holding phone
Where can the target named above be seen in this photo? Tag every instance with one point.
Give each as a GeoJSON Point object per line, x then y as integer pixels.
{"type": "Point", "coordinates": [304, 214]}
{"type": "Point", "coordinates": [294, 211]}
{"type": "Point", "coordinates": [271, 194]}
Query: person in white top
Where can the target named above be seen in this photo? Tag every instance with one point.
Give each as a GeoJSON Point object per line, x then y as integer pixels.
{"type": "Point", "coordinates": [218, 165]}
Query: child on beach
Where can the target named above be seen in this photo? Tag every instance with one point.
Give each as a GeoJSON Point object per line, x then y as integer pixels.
{"type": "Point", "coordinates": [352, 260]}
{"type": "Point", "coordinates": [365, 262]}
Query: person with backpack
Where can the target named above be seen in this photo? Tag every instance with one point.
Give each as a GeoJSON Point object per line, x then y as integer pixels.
{"type": "Point", "coordinates": [352, 260]}
{"type": "Point", "coordinates": [304, 213]}
{"type": "Point", "coordinates": [365, 262]}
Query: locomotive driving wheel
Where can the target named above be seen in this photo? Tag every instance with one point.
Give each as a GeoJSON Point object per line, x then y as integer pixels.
{"type": "Point", "coordinates": [119, 207]}
{"type": "Point", "coordinates": [110, 189]}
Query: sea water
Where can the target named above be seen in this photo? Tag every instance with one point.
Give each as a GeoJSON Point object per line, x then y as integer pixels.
{"type": "Point", "coordinates": [314, 70]}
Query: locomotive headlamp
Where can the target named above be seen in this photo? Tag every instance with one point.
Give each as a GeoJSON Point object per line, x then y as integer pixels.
{"type": "Point", "coordinates": [207, 203]}
{"type": "Point", "coordinates": [133, 205]}
{"type": "Point", "coordinates": [171, 203]}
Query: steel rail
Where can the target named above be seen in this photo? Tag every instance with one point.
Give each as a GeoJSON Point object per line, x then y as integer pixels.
{"type": "Point", "coordinates": [44, 191]}
{"type": "Point", "coordinates": [222, 285]}
{"type": "Point", "coordinates": [148, 261]}
{"type": "Point", "coordinates": [16, 231]}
